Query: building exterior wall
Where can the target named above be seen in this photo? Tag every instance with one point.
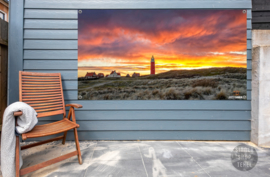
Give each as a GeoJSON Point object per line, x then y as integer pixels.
{"type": "Point", "coordinates": [260, 129]}
{"type": "Point", "coordinates": [45, 36]}
{"type": "Point", "coordinates": [4, 8]}
{"type": "Point", "coordinates": [114, 74]}
{"type": "Point", "coordinates": [260, 14]}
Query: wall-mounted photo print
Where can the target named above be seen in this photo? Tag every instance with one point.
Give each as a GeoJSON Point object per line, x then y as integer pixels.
{"type": "Point", "coordinates": [162, 55]}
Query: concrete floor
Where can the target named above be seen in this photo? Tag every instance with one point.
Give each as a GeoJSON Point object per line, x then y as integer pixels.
{"type": "Point", "coordinates": [145, 158]}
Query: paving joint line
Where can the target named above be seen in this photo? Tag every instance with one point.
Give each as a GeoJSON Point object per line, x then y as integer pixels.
{"type": "Point", "coordinates": [142, 160]}
{"type": "Point", "coordinates": [90, 159]}
{"type": "Point", "coordinates": [192, 158]}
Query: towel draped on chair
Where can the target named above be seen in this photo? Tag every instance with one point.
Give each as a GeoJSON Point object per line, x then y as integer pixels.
{"type": "Point", "coordinates": [25, 123]}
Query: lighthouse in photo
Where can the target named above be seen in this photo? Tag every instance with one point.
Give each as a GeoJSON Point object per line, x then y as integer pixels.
{"type": "Point", "coordinates": [152, 72]}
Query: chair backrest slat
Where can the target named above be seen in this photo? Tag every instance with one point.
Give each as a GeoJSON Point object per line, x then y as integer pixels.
{"type": "Point", "coordinates": [42, 91]}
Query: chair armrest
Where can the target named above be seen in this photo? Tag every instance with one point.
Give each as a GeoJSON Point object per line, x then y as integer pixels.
{"type": "Point", "coordinates": [74, 105]}
{"type": "Point", "coordinates": [18, 113]}
{"type": "Point", "coordinates": [71, 113]}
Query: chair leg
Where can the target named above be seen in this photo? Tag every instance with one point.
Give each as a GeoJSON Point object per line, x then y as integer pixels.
{"type": "Point", "coordinates": [77, 145]}
{"type": "Point", "coordinates": [64, 138]}
{"type": "Point", "coordinates": [17, 155]}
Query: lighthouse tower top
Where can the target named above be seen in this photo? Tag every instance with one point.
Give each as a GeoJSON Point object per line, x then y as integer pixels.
{"type": "Point", "coordinates": [152, 59]}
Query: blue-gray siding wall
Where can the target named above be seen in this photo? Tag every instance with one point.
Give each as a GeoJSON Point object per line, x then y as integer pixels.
{"type": "Point", "coordinates": [49, 35]}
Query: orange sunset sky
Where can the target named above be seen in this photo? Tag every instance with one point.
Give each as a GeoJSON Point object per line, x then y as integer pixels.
{"type": "Point", "coordinates": [125, 40]}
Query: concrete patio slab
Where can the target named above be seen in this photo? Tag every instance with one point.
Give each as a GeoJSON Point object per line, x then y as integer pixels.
{"type": "Point", "coordinates": [213, 158]}
{"type": "Point", "coordinates": [132, 168]}
{"type": "Point", "coordinates": [126, 150]}
{"type": "Point", "coordinates": [145, 159]}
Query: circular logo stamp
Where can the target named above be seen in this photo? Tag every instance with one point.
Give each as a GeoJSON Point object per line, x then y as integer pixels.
{"type": "Point", "coordinates": [244, 157]}
{"type": "Point", "coordinates": [80, 11]}
{"type": "Point", "coordinates": [244, 11]}
{"type": "Point", "coordinates": [79, 97]}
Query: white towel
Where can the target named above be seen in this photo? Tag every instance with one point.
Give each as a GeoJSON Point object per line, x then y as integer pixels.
{"type": "Point", "coordinates": [26, 122]}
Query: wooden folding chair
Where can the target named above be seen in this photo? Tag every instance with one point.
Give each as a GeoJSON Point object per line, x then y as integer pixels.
{"type": "Point", "coordinates": [44, 92]}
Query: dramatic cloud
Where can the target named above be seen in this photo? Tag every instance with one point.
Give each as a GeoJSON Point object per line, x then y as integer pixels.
{"type": "Point", "coordinates": [125, 40]}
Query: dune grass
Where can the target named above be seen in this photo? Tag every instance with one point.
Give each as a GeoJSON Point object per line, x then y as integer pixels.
{"type": "Point", "coordinates": [204, 85]}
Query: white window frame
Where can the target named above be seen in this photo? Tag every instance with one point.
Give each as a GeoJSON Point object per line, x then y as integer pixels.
{"type": "Point", "coordinates": [4, 14]}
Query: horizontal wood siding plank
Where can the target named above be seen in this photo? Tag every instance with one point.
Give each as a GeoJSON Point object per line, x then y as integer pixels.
{"type": "Point", "coordinates": [51, 44]}
{"type": "Point", "coordinates": [157, 135]}
{"type": "Point", "coordinates": [50, 34]}
{"type": "Point", "coordinates": [139, 125]}
{"type": "Point", "coordinates": [156, 115]}
{"type": "Point", "coordinates": [213, 105]}
{"type": "Point", "coordinates": [70, 85]}
{"type": "Point", "coordinates": [52, 54]}
{"type": "Point", "coordinates": [163, 135]}
{"type": "Point", "coordinates": [261, 20]}
{"type": "Point", "coordinates": [71, 95]}
{"type": "Point", "coordinates": [50, 24]}
{"type": "Point", "coordinates": [50, 64]}
{"type": "Point", "coordinates": [260, 5]}
{"type": "Point", "coordinates": [64, 24]}
{"type": "Point", "coordinates": [261, 26]}
{"type": "Point", "coordinates": [65, 74]}
{"type": "Point", "coordinates": [62, 14]}
{"type": "Point", "coordinates": [141, 4]}
{"type": "Point", "coordinates": [260, 14]}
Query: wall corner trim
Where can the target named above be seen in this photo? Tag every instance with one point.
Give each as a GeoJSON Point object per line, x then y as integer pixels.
{"type": "Point", "coordinates": [15, 52]}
